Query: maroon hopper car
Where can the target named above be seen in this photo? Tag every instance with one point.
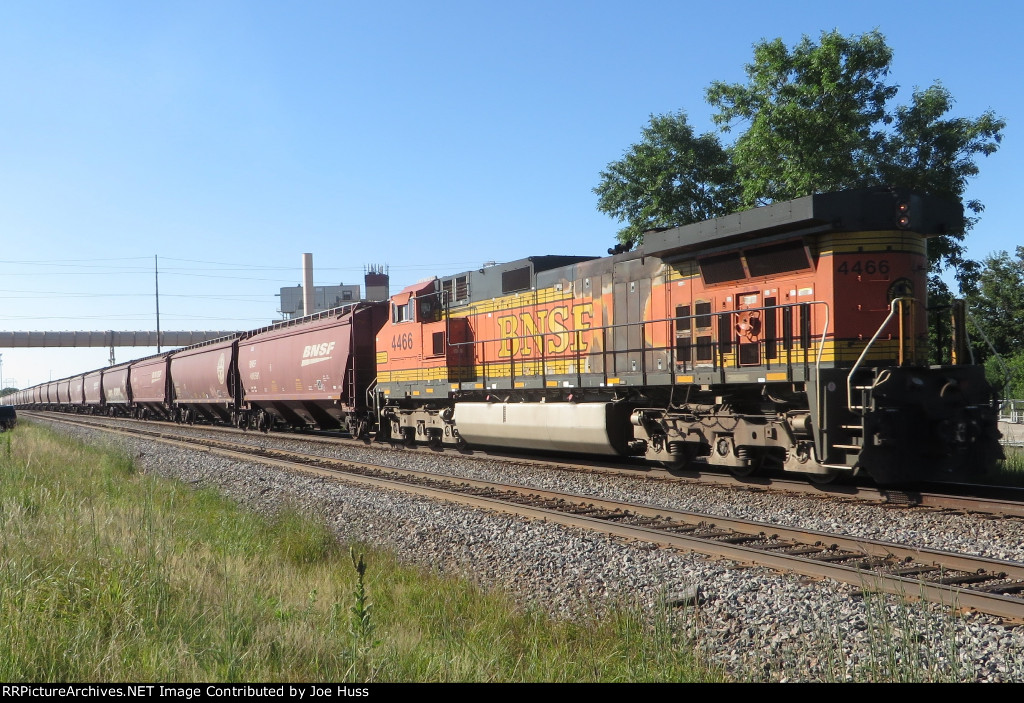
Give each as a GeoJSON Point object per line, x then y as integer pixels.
{"type": "Point", "coordinates": [51, 395]}
{"type": "Point", "coordinates": [204, 379]}
{"type": "Point", "coordinates": [315, 370]}
{"type": "Point", "coordinates": [93, 390]}
{"type": "Point", "coordinates": [64, 393]}
{"type": "Point", "coordinates": [77, 393]}
{"type": "Point", "coordinates": [150, 383]}
{"type": "Point", "coordinates": [115, 389]}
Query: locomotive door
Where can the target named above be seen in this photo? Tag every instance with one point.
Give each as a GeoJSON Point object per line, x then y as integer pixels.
{"type": "Point", "coordinates": [749, 328]}
{"type": "Point", "coordinates": [632, 290]}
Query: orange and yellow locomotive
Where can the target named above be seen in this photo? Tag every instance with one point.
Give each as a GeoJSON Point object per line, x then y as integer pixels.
{"type": "Point", "coordinates": [791, 336]}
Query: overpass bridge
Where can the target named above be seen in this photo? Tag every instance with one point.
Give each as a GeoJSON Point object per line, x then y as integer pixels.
{"type": "Point", "coordinates": [109, 338]}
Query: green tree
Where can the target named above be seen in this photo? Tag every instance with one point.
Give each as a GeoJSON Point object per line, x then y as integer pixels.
{"type": "Point", "coordinates": [672, 177]}
{"type": "Point", "coordinates": [1007, 377]}
{"type": "Point", "coordinates": [996, 304]}
{"type": "Point", "coordinates": [813, 116]}
{"type": "Point", "coordinates": [813, 119]}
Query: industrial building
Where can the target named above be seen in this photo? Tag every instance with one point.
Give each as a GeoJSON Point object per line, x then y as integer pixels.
{"type": "Point", "coordinates": [294, 302]}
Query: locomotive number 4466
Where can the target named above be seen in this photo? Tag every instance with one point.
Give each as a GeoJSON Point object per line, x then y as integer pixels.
{"type": "Point", "coordinates": [402, 341]}
{"type": "Point", "coordinates": [868, 266]}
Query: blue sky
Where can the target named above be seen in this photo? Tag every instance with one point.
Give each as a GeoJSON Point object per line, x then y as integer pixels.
{"type": "Point", "coordinates": [230, 137]}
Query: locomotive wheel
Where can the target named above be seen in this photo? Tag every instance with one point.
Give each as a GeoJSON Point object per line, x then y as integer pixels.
{"type": "Point", "coordinates": [680, 454]}
{"type": "Point", "coordinates": [822, 479]}
{"type": "Point", "coordinates": [743, 471]}
{"type": "Point", "coordinates": [677, 464]}
{"type": "Point", "coordinates": [409, 436]}
{"type": "Point", "coordinates": [725, 446]}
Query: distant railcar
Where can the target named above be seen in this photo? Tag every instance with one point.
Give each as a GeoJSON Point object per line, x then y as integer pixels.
{"type": "Point", "coordinates": [92, 390]}
{"type": "Point", "coordinates": [150, 382]}
{"type": "Point", "coordinates": [205, 381]}
{"type": "Point", "coordinates": [116, 390]}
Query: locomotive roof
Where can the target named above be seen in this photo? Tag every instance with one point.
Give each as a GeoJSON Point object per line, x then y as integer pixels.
{"type": "Point", "coordinates": [500, 279]}
{"type": "Point", "coordinates": [858, 210]}
{"type": "Point", "coordinates": [537, 263]}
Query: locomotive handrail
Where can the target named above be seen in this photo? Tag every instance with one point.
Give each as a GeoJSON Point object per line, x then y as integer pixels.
{"type": "Point", "coordinates": [574, 349]}
{"type": "Point", "coordinates": [896, 303]}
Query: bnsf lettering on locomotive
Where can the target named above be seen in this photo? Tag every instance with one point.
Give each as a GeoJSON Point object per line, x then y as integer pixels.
{"type": "Point", "coordinates": [557, 328]}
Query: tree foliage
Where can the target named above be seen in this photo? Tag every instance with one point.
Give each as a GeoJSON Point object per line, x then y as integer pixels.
{"type": "Point", "coordinates": [996, 303]}
{"type": "Point", "coordinates": [814, 118]}
{"type": "Point", "coordinates": [672, 177]}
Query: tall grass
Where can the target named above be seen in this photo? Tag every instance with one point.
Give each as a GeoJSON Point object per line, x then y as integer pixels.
{"type": "Point", "coordinates": [107, 574]}
{"type": "Point", "coordinates": [1009, 471]}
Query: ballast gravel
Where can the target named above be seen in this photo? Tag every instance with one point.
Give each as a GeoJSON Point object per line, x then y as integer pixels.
{"type": "Point", "coordinates": [757, 624]}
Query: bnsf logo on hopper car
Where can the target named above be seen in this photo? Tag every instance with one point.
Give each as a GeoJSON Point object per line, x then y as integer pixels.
{"type": "Point", "coordinates": [315, 353]}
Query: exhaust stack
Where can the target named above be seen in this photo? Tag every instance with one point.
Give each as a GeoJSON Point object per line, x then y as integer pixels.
{"type": "Point", "coordinates": [307, 284]}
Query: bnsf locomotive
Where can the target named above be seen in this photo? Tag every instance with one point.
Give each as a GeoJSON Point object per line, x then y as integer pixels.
{"type": "Point", "coordinates": [792, 336]}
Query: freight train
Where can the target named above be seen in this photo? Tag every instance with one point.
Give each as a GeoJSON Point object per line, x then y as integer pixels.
{"type": "Point", "coordinates": [792, 336]}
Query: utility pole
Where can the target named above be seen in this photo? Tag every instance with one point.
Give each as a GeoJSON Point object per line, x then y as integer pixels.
{"type": "Point", "coordinates": [156, 275]}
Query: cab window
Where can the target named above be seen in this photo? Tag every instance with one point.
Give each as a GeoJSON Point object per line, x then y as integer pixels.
{"type": "Point", "coordinates": [402, 313]}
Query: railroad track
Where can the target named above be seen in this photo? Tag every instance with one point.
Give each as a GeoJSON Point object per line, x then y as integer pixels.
{"type": "Point", "coordinates": [1003, 502]}
{"type": "Point", "coordinates": [991, 586]}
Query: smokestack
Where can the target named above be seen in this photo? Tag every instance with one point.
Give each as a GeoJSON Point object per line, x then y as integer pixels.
{"type": "Point", "coordinates": [307, 284]}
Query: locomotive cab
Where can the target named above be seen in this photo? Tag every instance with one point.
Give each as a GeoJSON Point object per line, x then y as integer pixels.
{"type": "Point", "coordinates": [420, 352]}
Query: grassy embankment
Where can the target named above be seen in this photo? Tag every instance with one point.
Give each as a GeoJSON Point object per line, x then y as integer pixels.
{"type": "Point", "coordinates": [107, 574]}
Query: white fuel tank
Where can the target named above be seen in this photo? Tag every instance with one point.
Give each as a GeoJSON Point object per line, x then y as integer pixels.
{"type": "Point", "coordinates": [562, 427]}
